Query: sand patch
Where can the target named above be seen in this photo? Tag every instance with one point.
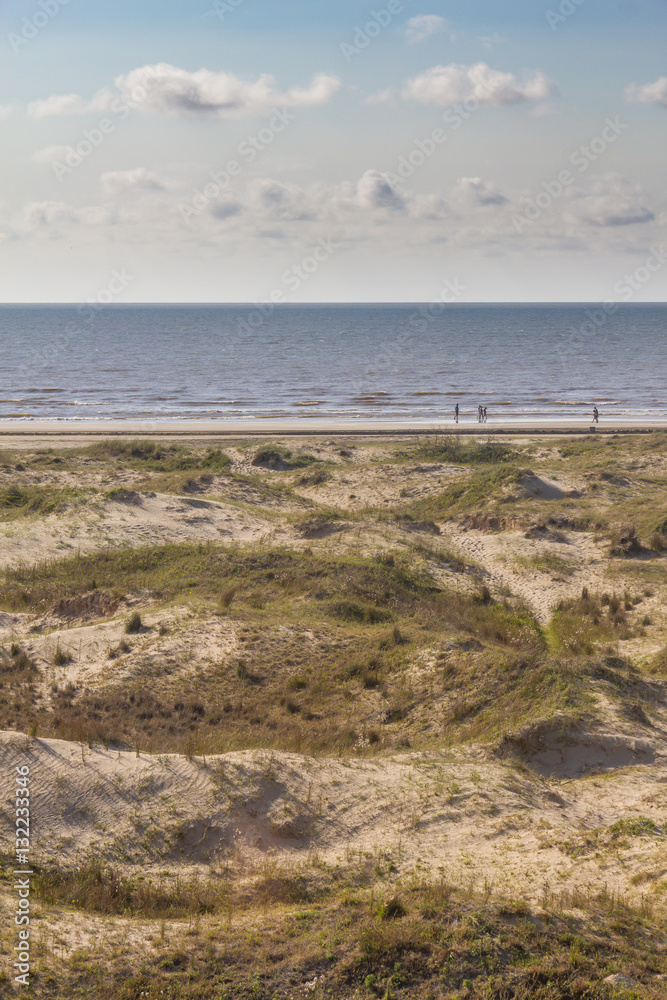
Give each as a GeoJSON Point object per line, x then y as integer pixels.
{"type": "Point", "coordinates": [171, 642]}
{"type": "Point", "coordinates": [540, 488]}
{"type": "Point", "coordinates": [376, 485]}
{"type": "Point", "coordinates": [541, 588]}
{"type": "Point", "coordinates": [570, 749]}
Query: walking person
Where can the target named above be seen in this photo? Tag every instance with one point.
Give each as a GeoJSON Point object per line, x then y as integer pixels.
{"type": "Point", "coordinates": [479, 414]}
{"type": "Point", "coordinates": [456, 414]}
{"type": "Point", "coordinates": [484, 415]}
{"type": "Point", "coordinates": [596, 415]}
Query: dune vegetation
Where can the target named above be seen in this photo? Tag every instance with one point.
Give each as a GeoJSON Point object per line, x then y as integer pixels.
{"type": "Point", "coordinates": [342, 717]}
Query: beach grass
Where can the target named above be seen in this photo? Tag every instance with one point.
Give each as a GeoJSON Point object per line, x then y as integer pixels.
{"type": "Point", "coordinates": [412, 621]}
{"type": "Point", "coordinates": [155, 456]}
{"type": "Point", "coordinates": [349, 933]}
{"type": "Point", "coordinates": [20, 501]}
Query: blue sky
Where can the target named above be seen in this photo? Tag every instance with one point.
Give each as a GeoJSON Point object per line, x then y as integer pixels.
{"type": "Point", "coordinates": [513, 90]}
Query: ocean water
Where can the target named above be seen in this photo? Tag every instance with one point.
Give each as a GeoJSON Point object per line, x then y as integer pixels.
{"type": "Point", "coordinates": [337, 361]}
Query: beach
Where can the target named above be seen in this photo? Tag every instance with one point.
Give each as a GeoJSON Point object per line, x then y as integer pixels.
{"type": "Point", "coordinates": [64, 430]}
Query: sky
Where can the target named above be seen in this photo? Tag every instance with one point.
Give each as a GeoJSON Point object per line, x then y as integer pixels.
{"type": "Point", "coordinates": [407, 150]}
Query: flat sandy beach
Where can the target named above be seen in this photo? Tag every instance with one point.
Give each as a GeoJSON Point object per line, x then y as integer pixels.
{"type": "Point", "coordinates": [61, 428]}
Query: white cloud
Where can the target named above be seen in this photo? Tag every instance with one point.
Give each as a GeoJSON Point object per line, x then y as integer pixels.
{"type": "Point", "coordinates": [473, 192]}
{"type": "Point", "coordinates": [226, 208]}
{"type": "Point", "coordinates": [166, 89]}
{"type": "Point", "coordinates": [374, 190]}
{"type": "Point", "coordinates": [648, 93]}
{"type": "Point", "coordinates": [96, 215]}
{"type": "Point", "coordinates": [39, 214]}
{"type": "Point", "coordinates": [175, 91]}
{"type": "Point", "coordinates": [48, 219]}
{"type": "Point", "coordinates": [600, 215]}
{"type": "Point", "coordinates": [611, 201]}
{"type": "Point", "coordinates": [423, 26]}
{"type": "Point", "coordinates": [284, 202]}
{"type": "Point", "coordinates": [51, 154]}
{"type": "Point", "coordinates": [5, 111]}
{"type": "Point", "coordinates": [490, 41]}
{"type": "Point", "coordinates": [139, 179]}
{"type": "Point", "coordinates": [69, 104]}
{"type": "Point", "coordinates": [387, 96]}
{"type": "Point", "coordinates": [453, 84]}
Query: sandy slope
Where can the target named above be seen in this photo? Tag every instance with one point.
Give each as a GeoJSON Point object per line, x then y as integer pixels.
{"type": "Point", "coordinates": [476, 816]}
{"type": "Point", "coordinates": [134, 520]}
{"type": "Point", "coordinates": [498, 553]}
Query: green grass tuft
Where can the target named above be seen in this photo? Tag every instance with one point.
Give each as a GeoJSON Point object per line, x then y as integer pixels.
{"type": "Point", "coordinates": [22, 501]}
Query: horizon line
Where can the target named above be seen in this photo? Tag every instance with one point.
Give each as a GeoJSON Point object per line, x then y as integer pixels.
{"type": "Point", "coordinates": [330, 303]}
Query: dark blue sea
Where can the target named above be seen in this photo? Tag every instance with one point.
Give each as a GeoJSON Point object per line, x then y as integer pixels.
{"type": "Point", "coordinates": [338, 361]}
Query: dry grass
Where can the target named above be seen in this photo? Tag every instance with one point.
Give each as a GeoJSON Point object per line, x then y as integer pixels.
{"type": "Point", "coordinates": [327, 933]}
{"type": "Point", "coordinates": [581, 625]}
{"type": "Point", "coordinates": [485, 489]}
{"type": "Point", "coordinates": [546, 562]}
{"type": "Point", "coordinates": [329, 627]}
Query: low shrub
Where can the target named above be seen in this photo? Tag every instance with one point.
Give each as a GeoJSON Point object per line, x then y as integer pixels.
{"type": "Point", "coordinates": [134, 624]}
{"type": "Point", "coordinates": [61, 658]}
{"type": "Point", "coordinates": [624, 540]}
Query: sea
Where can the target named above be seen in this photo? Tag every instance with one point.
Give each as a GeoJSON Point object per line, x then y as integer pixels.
{"type": "Point", "coordinates": [402, 362]}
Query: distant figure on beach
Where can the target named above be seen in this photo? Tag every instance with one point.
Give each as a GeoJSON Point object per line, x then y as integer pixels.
{"type": "Point", "coordinates": [456, 414]}
{"type": "Point", "coordinates": [596, 415]}
{"type": "Point", "coordinates": [484, 415]}
{"type": "Point", "coordinates": [479, 414]}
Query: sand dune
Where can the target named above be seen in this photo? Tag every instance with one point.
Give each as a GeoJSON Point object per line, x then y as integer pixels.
{"type": "Point", "coordinates": [441, 808]}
